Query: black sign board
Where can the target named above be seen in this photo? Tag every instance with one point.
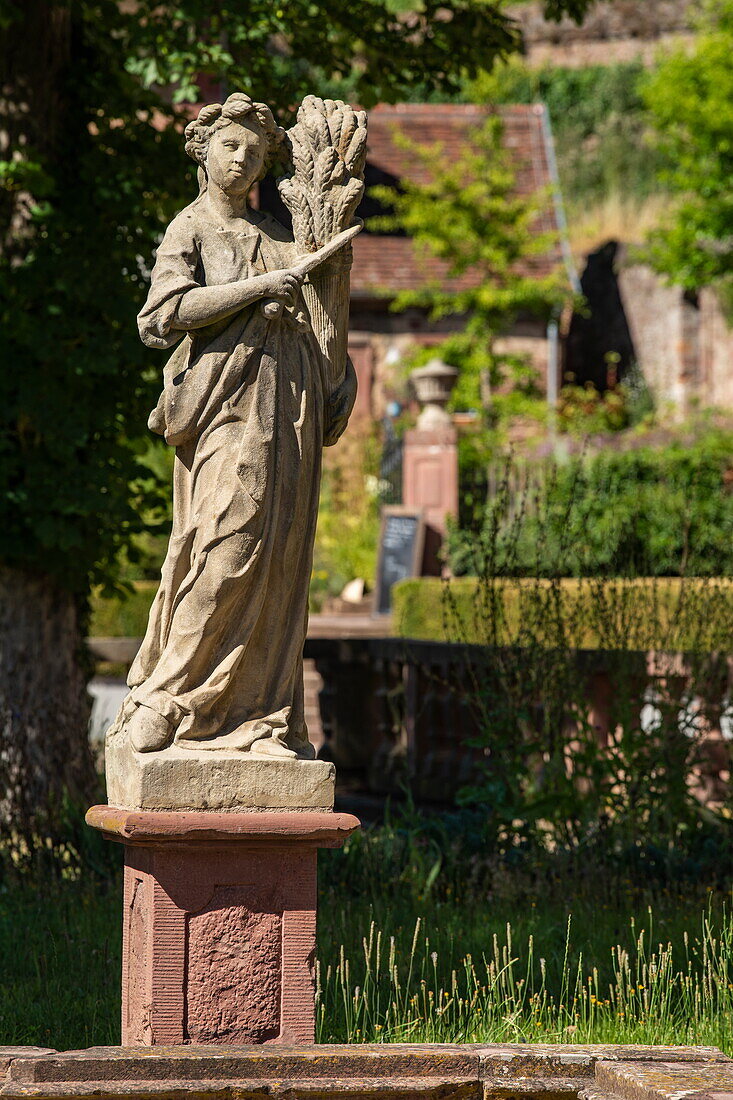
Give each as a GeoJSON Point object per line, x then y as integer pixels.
{"type": "Point", "coordinates": [400, 552]}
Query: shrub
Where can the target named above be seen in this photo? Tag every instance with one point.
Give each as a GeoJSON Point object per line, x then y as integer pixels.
{"type": "Point", "coordinates": [648, 511]}
{"type": "Point", "coordinates": [648, 613]}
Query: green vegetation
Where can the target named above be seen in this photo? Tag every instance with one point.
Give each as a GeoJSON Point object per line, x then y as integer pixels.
{"type": "Point", "coordinates": [661, 507]}
{"type": "Point", "coordinates": [600, 123]}
{"type": "Point", "coordinates": [690, 99]}
{"type": "Point", "coordinates": [596, 707]}
{"type": "Point", "coordinates": [665, 613]}
{"type": "Point", "coordinates": [61, 962]}
{"type": "Point", "coordinates": [470, 216]}
{"type": "Point", "coordinates": [596, 704]}
{"type": "Point", "coordinates": [583, 410]}
{"type": "Point", "coordinates": [123, 615]}
{"type": "Point", "coordinates": [656, 994]}
{"type": "Point", "coordinates": [348, 515]}
{"type": "Point", "coordinates": [459, 953]}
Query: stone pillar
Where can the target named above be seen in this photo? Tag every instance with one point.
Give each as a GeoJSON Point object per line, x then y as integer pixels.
{"type": "Point", "coordinates": [219, 923]}
{"type": "Point", "coordinates": [430, 458]}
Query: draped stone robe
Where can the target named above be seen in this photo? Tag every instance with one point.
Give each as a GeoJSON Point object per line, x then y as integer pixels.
{"type": "Point", "coordinates": [244, 403]}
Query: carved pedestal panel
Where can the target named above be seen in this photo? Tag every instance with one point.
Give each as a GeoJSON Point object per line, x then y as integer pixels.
{"type": "Point", "coordinates": [219, 923]}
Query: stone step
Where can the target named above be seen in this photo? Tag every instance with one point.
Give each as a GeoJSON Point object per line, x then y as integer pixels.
{"type": "Point", "coordinates": [592, 1092]}
{"type": "Point", "coordinates": [663, 1080]}
{"type": "Point", "coordinates": [372, 1072]}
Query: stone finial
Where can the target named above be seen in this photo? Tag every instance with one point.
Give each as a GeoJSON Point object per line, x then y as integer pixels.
{"type": "Point", "coordinates": [433, 385]}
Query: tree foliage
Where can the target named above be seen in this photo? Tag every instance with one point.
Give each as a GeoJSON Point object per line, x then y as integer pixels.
{"type": "Point", "coordinates": [690, 97]}
{"type": "Point", "coordinates": [377, 49]}
{"type": "Point", "coordinates": [92, 169]}
{"type": "Point", "coordinates": [470, 215]}
{"type": "Point", "coordinates": [95, 183]}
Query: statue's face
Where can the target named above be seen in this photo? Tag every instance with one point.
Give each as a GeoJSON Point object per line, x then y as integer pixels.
{"type": "Point", "coordinates": [236, 156]}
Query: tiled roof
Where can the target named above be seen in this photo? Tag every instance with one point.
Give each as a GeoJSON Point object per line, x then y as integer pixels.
{"type": "Point", "coordinates": [388, 264]}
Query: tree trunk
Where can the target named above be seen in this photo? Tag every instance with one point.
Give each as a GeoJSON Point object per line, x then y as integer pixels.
{"type": "Point", "coordinates": [44, 706]}
{"type": "Point", "coordinates": [35, 51]}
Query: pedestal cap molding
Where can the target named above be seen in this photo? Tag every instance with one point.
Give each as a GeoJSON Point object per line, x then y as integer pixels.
{"type": "Point", "coordinates": [324, 830]}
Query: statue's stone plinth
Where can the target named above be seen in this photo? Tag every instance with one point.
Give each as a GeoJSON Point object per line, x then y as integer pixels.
{"type": "Point", "coordinates": [189, 779]}
{"type": "Point", "coordinates": [219, 930]}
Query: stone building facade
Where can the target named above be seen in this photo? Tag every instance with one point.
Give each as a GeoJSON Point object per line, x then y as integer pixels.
{"type": "Point", "coordinates": [682, 342]}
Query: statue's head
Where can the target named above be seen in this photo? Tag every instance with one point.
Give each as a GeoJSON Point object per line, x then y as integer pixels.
{"type": "Point", "coordinates": [234, 142]}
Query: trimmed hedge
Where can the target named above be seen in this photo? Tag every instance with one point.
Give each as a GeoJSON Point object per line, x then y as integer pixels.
{"type": "Point", "coordinates": [694, 614]}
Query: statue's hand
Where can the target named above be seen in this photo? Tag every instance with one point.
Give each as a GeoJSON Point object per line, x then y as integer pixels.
{"type": "Point", "coordinates": [281, 285]}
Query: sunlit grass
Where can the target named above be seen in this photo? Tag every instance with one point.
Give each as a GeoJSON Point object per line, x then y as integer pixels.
{"type": "Point", "coordinates": [655, 996]}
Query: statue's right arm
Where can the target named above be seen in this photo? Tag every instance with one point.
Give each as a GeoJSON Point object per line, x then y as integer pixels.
{"type": "Point", "coordinates": [178, 301]}
{"type": "Point", "coordinates": [205, 305]}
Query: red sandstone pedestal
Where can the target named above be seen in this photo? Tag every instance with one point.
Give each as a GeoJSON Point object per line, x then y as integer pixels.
{"type": "Point", "coordinates": [219, 923]}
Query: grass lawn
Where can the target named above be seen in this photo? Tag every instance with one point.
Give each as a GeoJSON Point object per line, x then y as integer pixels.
{"type": "Point", "coordinates": [415, 946]}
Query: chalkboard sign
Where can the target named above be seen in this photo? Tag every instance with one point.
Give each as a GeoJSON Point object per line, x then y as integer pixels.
{"type": "Point", "coordinates": [400, 552]}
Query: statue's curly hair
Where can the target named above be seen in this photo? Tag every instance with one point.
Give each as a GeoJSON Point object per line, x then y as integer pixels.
{"type": "Point", "coordinates": [214, 116]}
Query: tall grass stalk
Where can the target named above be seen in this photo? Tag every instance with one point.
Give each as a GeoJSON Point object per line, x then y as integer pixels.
{"type": "Point", "coordinates": [654, 995]}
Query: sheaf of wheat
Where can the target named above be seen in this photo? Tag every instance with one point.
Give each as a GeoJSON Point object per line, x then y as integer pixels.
{"type": "Point", "coordinates": [328, 149]}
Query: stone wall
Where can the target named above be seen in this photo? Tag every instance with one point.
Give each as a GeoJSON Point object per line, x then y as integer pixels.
{"type": "Point", "coordinates": [715, 343]}
{"type": "Point", "coordinates": [612, 31]}
{"type": "Point", "coordinates": [682, 342]}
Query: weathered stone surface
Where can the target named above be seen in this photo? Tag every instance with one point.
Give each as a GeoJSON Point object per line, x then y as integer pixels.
{"type": "Point", "coordinates": [329, 1088]}
{"type": "Point", "coordinates": [664, 1080]}
{"type": "Point", "coordinates": [9, 1054]}
{"type": "Point", "coordinates": [570, 1071]}
{"type": "Point", "coordinates": [368, 1062]}
{"type": "Point", "coordinates": [196, 1063]}
{"type": "Point", "coordinates": [367, 1071]}
{"type": "Point", "coordinates": [259, 382]}
{"type": "Point", "coordinates": [186, 779]}
{"type": "Point", "coordinates": [234, 971]}
{"type": "Point", "coordinates": [514, 1062]}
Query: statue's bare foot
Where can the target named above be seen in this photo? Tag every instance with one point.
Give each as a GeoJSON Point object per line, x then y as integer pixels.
{"type": "Point", "coordinates": [272, 746]}
{"type": "Point", "coordinates": [148, 731]}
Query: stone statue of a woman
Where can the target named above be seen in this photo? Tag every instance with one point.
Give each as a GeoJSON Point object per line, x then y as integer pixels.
{"type": "Point", "coordinates": [251, 395]}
